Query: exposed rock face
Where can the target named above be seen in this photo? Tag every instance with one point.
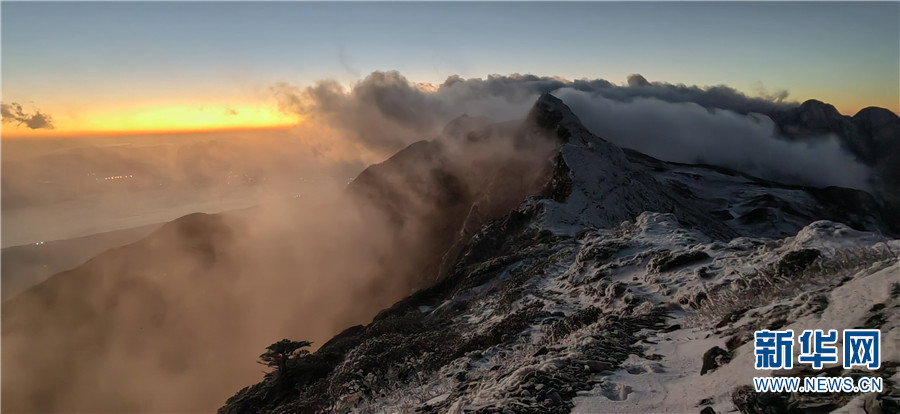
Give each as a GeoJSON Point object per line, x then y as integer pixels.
{"type": "Point", "coordinates": [548, 307]}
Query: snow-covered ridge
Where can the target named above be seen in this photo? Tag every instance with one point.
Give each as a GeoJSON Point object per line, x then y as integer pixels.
{"type": "Point", "coordinates": [607, 185]}
{"type": "Point", "coordinates": [630, 285]}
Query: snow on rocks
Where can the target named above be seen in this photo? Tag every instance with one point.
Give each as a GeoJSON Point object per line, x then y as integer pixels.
{"type": "Point", "coordinates": [613, 334]}
{"type": "Point", "coordinates": [588, 299]}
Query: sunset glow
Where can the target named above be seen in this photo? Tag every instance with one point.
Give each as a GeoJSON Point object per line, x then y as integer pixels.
{"type": "Point", "coordinates": [125, 75]}
{"type": "Point", "coordinates": [158, 117]}
{"type": "Point", "coordinates": [433, 206]}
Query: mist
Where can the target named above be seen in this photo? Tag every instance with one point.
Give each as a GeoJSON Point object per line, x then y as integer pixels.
{"type": "Point", "coordinates": [689, 133]}
{"type": "Point", "coordinates": [175, 321]}
{"type": "Point", "coordinates": [56, 189]}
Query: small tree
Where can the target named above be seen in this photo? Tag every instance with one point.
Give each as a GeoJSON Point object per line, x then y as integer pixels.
{"type": "Point", "coordinates": [278, 354]}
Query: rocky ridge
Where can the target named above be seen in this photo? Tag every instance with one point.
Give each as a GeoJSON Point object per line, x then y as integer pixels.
{"type": "Point", "coordinates": [626, 284]}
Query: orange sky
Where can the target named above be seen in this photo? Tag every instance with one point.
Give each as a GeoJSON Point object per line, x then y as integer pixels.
{"type": "Point", "coordinates": [181, 117]}
{"type": "Point", "coordinates": [156, 117]}
{"type": "Point", "coordinates": [194, 66]}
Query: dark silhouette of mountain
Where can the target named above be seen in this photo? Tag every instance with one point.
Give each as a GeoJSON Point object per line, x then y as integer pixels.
{"type": "Point", "coordinates": [873, 135]}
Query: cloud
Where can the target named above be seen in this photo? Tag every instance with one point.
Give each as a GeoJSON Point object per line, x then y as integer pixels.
{"type": "Point", "coordinates": [13, 112]}
{"type": "Point", "coordinates": [385, 112]}
{"type": "Point", "coordinates": [778, 95]}
{"type": "Point", "coordinates": [716, 125]}
{"type": "Point", "coordinates": [689, 133]}
{"type": "Point", "coordinates": [719, 96]}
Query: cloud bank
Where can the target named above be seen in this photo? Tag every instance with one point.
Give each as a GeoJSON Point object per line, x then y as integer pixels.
{"type": "Point", "coordinates": [714, 125]}
{"type": "Point", "coordinates": [689, 133]}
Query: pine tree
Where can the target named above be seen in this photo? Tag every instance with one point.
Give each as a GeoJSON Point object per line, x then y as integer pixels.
{"type": "Point", "coordinates": [278, 354]}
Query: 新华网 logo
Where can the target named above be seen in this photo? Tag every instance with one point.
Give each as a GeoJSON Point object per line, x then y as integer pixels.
{"type": "Point", "coordinates": [775, 349]}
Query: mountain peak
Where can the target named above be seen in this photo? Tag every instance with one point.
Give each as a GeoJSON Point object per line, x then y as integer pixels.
{"type": "Point", "coordinates": [818, 114]}
{"type": "Point", "coordinates": [874, 118]}
{"type": "Point", "coordinates": [548, 111]}
{"type": "Point", "coordinates": [552, 114]}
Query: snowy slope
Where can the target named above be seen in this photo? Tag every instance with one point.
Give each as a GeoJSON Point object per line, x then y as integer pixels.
{"type": "Point", "coordinates": [607, 292]}
{"type": "Point", "coordinates": [603, 337]}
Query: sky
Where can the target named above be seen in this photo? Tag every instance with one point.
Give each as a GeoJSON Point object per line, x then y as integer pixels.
{"type": "Point", "coordinates": [132, 67]}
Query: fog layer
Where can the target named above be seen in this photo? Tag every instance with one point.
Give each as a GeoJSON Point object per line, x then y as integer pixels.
{"type": "Point", "coordinates": [174, 322]}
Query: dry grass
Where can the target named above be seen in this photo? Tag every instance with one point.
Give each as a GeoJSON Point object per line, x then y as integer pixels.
{"type": "Point", "coordinates": [765, 285]}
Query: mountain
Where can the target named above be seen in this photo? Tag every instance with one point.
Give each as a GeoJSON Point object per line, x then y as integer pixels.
{"type": "Point", "coordinates": [79, 340]}
{"type": "Point", "coordinates": [621, 283]}
{"type": "Point", "coordinates": [873, 135]}
{"type": "Point", "coordinates": [504, 258]}
{"type": "Point", "coordinates": [436, 193]}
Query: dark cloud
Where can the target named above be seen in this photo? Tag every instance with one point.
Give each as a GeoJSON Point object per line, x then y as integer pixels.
{"type": "Point", "coordinates": [721, 96]}
{"type": "Point", "coordinates": [385, 111]}
{"type": "Point", "coordinates": [716, 125]}
{"type": "Point", "coordinates": [13, 112]}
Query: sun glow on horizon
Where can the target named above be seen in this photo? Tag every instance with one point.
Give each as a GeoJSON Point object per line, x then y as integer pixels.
{"type": "Point", "coordinates": [157, 117]}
